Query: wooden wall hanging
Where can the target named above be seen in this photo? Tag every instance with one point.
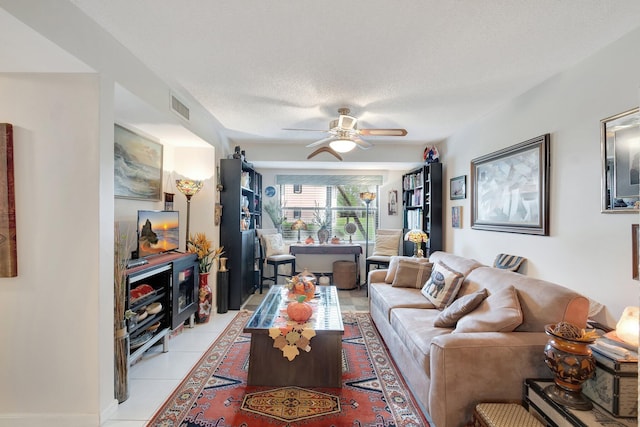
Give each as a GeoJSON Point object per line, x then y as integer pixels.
{"type": "Point", "coordinates": [8, 251]}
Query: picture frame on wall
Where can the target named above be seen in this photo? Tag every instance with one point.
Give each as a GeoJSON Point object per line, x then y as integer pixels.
{"type": "Point", "coordinates": [620, 158]}
{"type": "Point", "coordinates": [510, 189]}
{"type": "Point", "coordinates": [137, 166]}
{"type": "Point", "coordinates": [393, 202]}
{"type": "Point", "coordinates": [458, 188]}
{"type": "Point", "coordinates": [635, 254]}
{"type": "Point", "coordinates": [456, 216]}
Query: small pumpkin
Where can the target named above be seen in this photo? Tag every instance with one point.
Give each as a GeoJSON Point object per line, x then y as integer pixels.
{"type": "Point", "coordinates": [299, 310]}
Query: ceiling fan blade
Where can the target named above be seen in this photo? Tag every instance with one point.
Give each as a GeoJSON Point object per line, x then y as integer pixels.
{"type": "Point", "coordinates": [383, 132]}
{"type": "Point", "coordinates": [321, 141]}
{"type": "Point", "coordinates": [306, 130]}
{"type": "Point", "coordinates": [361, 143]}
{"type": "Point", "coordinates": [323, 149]}
{"type": "Point", "coordinates": [347, 122]}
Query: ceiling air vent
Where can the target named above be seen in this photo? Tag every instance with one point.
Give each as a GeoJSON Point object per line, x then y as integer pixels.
{"type": "Point", "coordinates": [179, 108]}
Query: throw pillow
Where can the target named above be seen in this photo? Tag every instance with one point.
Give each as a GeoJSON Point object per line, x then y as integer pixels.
{"type": "Point", "coordinates": [274, 245]}
{"type": "Point", "coordinates": [411, 274]}
{"type": "Point", "coordinates": [499, 312]}
{"type": "Point", "coordinates": [460, 307]}
{"type": "Point", "coordinates": [386, 245]}
{"type": "Point", "coordinates": [443, 285]}
{"type": "Point", "coordinates": [508, 262]}
{"type": "Point", "coordinates": [393, 265]}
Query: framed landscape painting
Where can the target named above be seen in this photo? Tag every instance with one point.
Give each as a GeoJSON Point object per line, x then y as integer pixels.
{"type": "Point", "coordinates": [510, 189]}
{"type": "Point", "coordinates": [137, 166]}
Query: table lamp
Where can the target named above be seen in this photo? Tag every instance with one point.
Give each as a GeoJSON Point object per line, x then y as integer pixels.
{"type": "Point", "coordinates": [299, 225]}
{"type": "Point", "coordinates": [418, 237]}
{"type": "Point", "coordinates": [628, 327]}
{"type": "Point", "coordinates": [189, 188]}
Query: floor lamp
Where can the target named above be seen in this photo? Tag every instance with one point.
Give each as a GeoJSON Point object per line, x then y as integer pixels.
{"type": "Point", "coordinates": [367, 198]}
{"type": "Point", "coordinates": [189, 188]}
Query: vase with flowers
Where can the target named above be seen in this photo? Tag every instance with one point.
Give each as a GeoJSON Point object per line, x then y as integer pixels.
{"type": "Point", "coordinates": [202, 247]}
{"type": "Point", "coordinates": [418, 237]}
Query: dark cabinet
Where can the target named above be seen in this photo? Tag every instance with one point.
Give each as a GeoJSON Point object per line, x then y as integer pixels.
{"type": "Point", "coordinates": [241, 198]}
{"type": "Point", "coordinates": [184, 291]}
{"type": "Point", "coordinates": [422, 205]}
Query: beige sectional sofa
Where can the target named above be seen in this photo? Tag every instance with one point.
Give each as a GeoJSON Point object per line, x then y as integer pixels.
{"type": "Point", "coordinates": [450, 369]}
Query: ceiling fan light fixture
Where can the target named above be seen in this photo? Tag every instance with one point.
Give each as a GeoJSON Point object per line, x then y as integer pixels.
{"type": "Point", "coordinates": [342, 145]}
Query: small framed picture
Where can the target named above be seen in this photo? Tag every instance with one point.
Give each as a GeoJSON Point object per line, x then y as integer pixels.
{"type": "Point", "coordinates": [456, 217]}
{"type": "Point", "coordinates": [458, 188]}
{"type": "Point", "coordinates": [635, 242]}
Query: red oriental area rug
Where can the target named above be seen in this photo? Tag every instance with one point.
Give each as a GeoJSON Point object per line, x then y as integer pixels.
{"type": "Point", "coordinates": [215, 393]}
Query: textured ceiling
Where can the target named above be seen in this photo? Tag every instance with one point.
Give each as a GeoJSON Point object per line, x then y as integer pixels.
{"type": "Point", "coordinates": [428, 66]}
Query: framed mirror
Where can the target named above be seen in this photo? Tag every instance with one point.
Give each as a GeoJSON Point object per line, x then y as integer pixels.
{"type": "Point", "coordinates": [620, 145]}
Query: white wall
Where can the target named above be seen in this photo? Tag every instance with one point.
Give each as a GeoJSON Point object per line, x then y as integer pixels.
{"type": "Point", "coordinates": [587, 251]}
{"type": "Point", "coordinates": [49, 363]}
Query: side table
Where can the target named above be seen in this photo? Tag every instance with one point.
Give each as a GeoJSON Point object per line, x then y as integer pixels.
{"type": "Point", "coordinates": [553, 414]}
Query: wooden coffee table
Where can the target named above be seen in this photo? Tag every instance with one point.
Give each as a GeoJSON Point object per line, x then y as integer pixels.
{"type": "Point", "coordinates": [320, 367]}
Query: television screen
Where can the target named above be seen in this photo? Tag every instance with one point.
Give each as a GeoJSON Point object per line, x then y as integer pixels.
{"type": "Point", "coordinates": [158, 232]}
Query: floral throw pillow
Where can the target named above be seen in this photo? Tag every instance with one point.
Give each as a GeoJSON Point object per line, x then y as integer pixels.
{"type": "Point", "coordinates": [443, 285]}
{"type": "Point", "coordinates": [274, 244]}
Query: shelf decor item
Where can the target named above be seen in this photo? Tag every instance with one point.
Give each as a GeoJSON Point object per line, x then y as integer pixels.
{"type": "Point", "coordinates": [418, 237]}
{"type": "Point", "coordinates": [189, 188]}
{"type": "Point", "coordinates": [568, 356]}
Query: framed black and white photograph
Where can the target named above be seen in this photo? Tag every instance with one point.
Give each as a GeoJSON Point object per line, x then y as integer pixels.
{"type": "Point", "coordinates": [137, 166]}
{"type": "Point", "coordinates": [510, 189]}
{"type": "Point", "coordinates": [393, 202]}
{"type": "Point", "coordinates": [456, 216]}
{"type": "Point", "coordinates": [458, 187]}
{"type": "Point", "coordinates": [619, 136]}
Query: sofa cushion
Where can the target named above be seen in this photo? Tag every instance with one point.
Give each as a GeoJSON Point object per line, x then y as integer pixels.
{"type": "Point", "coordinates": [411, 274]}
{"type": "Point", "coordinates": [442, 287]}
{"type": "Point", "coordinates": [385, 298]}
{"type": "Point", "coordinates": [460, 307]}
{"type": "Point", "coordinates": [415, 329]}
{"type": "Point", "coordinates": [393, 265]}
{"type": "Point", "coordinates": [499, 312]}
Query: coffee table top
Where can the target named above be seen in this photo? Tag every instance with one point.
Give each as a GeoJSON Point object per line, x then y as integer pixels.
{"type": "Point", "coordinates": [273, 311]}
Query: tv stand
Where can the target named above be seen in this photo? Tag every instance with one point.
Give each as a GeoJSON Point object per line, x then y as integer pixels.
{"type": "Point", "coordinates": [171, 280]}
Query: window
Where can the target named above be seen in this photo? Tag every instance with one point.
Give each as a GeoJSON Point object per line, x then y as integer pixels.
{"type": "Point", "coordinates": [335, 205]}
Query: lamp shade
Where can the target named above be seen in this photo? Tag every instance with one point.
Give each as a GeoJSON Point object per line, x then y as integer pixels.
{"type": "Point", "coordinates": [416, 236]}
{"type": "Point", "coordinates": [367, 196]}
{"type": "Point", "coordinates": [299, 225]}
{"type": "Point", "coordinates": [189, 187]}
{"type": "Point", "coordinates": [342, 145]}
{"type": "Point", "coordinates": [628, 327]}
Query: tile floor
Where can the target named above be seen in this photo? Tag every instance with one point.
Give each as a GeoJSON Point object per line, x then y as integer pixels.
{"type": "Point", "coordinates": [157, 374]}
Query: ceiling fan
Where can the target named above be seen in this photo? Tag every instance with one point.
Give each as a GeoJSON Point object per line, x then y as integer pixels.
{"type": "Point", "coordinates": [344, 135]}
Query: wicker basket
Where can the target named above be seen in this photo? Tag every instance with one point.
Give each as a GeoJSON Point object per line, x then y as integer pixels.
{"type": "Point", "coordinates": [344, 274]}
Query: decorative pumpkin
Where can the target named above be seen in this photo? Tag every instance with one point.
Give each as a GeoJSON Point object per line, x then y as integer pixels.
{"type": "Point", "coordinates": [309, 240]}
{"type": "Point", "coordinates": [335, 240]}
{"type": "Point", "coordinates": [299, 310]}
{"type": "Point", "coordinates": [299, 286]}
